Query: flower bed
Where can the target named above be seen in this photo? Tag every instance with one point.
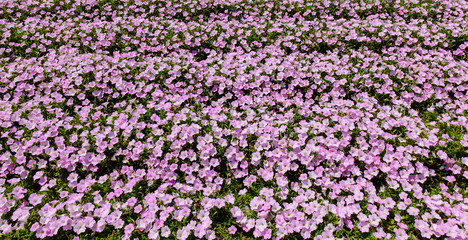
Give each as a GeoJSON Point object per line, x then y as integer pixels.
{"type": "Point", "coordinates": [233, 119]}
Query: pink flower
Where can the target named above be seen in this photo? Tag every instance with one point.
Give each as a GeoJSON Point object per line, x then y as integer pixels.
{"type": "Point", "coordinates": [256, 203]}
{"type": "Point", "coordinates": [442, 155]}
{"type": "Point", "coordinates": [249, 225]}
{"type": "Point", "coordinates": [165, 231]}
{"type": "Point", "coordinates": [380, 233]}
{"type": "Point", "coordinates": [18, 192]}
{"type": "Point", "coordinates": [236, 212]}
{"type": "Point", "coordinates": [374, 220]}
{"type": "Point", "coordinates": [401, 206]}
{"type": "Point", "coordinates": [35, 199]}
{"type": "Point", "coordinates": [138, 208]}
{"type": "Point", "coordinates": [243, 192]}
{"type": "Point", "coordinates": [131, 201]}
{"type": "Point", "coordinates": [232, 229]}
{"type": "Point", "coordinates": [412, 211]}
{"type": "Point", "coordinates": [364, 226]}
{"type": "Point", "coordinates": [402, 225]}
{"type": "Point", "coordinates": [200, 231]}
{"type": "Point", "coordinates": [153, 234]}
{"type": "Point", "coordinates": [450, 178]}
{"type": "Point", "coordinates": [230, 198]}
{"type": "Point", "coordinates": [128, 230]}
{"type": "Point", "coordinates": [426, 232]}
{"type": "Point", "coordinates": [261, 224]}
{"type": "Point", "coordinates": [79, 227]}
{"type": "Point", "coordinates": [400, 234]}
{"type": "Point", "coordinates": [21, 214]}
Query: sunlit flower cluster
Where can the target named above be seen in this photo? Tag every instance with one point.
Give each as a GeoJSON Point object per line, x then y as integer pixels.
{"type": "Point", "coordinates": [236, 119]}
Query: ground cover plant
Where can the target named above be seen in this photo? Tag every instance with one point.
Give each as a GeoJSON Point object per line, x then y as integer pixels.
{"type": "Point", "coordinates": [233, 119]}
